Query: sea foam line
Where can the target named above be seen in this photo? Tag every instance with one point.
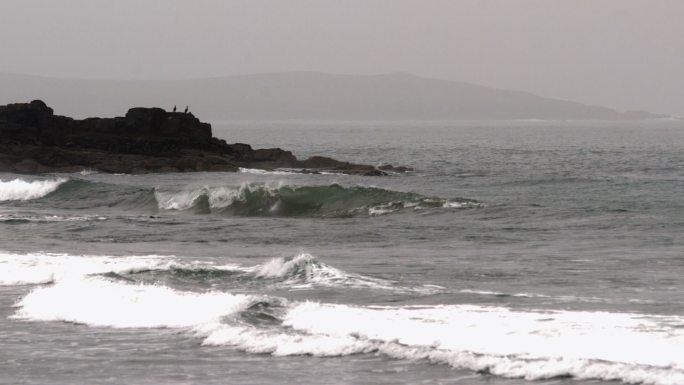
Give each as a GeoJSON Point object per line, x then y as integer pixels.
{"type": "Point", "coordinates": [41, 268]}
{"type": "Point", "coordinates": [530, 344]}
{"type": "Point", "coordinates": [633, 348]}
{"type": "Point", "coordinates": [304, 271]}
{"type": "Point", "coordinates": [266, 172]}
{"type": "Point", "coordinates": [96, 301]}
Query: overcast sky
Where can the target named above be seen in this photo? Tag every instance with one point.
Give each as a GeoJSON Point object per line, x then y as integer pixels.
{"type": "Point", "coordinates": [625, 54]}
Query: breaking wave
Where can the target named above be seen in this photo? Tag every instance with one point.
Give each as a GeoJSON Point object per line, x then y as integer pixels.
{"type": "Point", "coordinates": [530, 344]}
{"type": "Point", "coordinates": [332, 200]}
{"type": "Point", "coordinates": [247, 199]}
{"type": "Point", "coordinates": [258, 171]}
{"type": "Point", "coordinates": [22, 190]}
{"type": "Point", "coordinates": [299, 272]}
{"type": "Point", "coordinates": [39, 268]}
{"type": "Point", "coordinates": [306, 271]}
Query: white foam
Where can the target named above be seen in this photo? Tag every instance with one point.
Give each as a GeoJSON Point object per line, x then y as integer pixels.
{"type": "Point", "coordinates": [281, 267]}
{"type": "Point", "coordinates": [27, 269]}
{"type": "Point", "coordinates": [304, 271]}
{"type": "Point", "coordinates": [223, 196]}
{"type": "Point", "coordinates": [51, 218]}
{"type": "Point", "coordinates": [378, 210]}
{"type": "Point", "coordinates": [331, 173]}
{"type": "Point", "coordinates": [461, 205]}
{"type": "Point", "coordinates": [177, 200]}
{"type": "Point", "coordinates": [386, 208]}
{"type": "Point", "coordinates": [218, 197]}
{"type": "Point", "coordinates": [633, 348]}
{"type": "Point", "coordinates": [280, 343]}
{"type": "Point", "coordinates": [266, 172]}
{"type": "Point", "coordinates": [560, 298]}
{"type": "Point", "coordinates": [286, 171]}
{"type": "Point", "coordinates": [19, 189]}
{"type": "Point", "coordinates": [532, 345]}
{"type": "Point", "coordinates": [96, 301]}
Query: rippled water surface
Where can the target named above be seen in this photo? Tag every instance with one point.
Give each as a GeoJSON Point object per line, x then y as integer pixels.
{"type": "Point", "coordinates": [545, 252]}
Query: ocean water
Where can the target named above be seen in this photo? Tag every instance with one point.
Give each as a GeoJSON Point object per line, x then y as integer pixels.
{"type": "Point", "coordinates": [517, 252]}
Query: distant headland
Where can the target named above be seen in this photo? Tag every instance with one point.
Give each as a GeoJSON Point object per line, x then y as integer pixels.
{"type": "Point", "coordinates": [305, 96]}
{"type": "Point", "coordinates": [35, 140]}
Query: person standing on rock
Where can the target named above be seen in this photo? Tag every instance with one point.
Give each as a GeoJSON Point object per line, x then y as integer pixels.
{"type": "Point", "coordinates": [186, 110]}
{"type": "Point", "coordinates": [174, 108]}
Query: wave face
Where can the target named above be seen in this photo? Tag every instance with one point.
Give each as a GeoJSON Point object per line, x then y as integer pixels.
{"type": "Point", "coordinates": [75, 193]}
{"type": "Point", "coordinates": [298, 272]}
{"type": "Point", "coordinates": [534, 345]}
{"type": "Point", "coordinates": [289, 201]}
{"type": "Point", "coordinates": [306, 271]}
{"type": "Point", "coordinates": [247, 199]}
{"type": "Point", "coordinates": [21, 190]}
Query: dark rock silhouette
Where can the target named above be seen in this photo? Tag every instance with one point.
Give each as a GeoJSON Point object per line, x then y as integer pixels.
{"type": "Point", "coordinates": [35, 140]}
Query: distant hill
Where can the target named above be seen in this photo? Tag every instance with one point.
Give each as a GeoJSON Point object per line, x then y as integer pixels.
{"type": "Point", "coordinates": [301, 95]}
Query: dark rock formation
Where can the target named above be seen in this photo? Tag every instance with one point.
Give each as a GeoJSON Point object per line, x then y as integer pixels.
{"type": "Point", "coordinates": [395, 169]}
{"type": "Point", "coordinates": [34, 140]}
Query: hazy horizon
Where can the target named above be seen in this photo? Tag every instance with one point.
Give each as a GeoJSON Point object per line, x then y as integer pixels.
{"type": "Point", "coordinates": [622, 54]}
{"type": "Point", "coordinates": [302, 95]}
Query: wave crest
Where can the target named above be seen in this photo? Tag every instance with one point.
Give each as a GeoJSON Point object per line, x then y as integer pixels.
{"type": "Point", "coordinates": [305, 271]}
{"type": "Point", "coordinates": [21, 190]}
{"type": "Point", "coordinates": [247, 199]}
{"type": "Point", "coordinates": [331, 200]}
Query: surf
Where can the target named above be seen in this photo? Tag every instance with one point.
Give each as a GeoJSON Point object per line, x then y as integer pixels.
{"type": "Point", "coordinates": [46, 268]}
{"type": "Point", "coordinates": [302, 271]}
{"type": "Point", "coordinates": [246, 199]}
{"type": "Point", "coordinates": [300, 201]}
{"type": "Point", "coordinates": [529, 344]}
{"type": "Point", "coordinates": [103, 291]}
{"type": "Point", "coordinates": [23, 190]}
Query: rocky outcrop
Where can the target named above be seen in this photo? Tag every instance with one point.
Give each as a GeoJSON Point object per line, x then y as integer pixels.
{"type": "Point", "coordinates": [35, 140]}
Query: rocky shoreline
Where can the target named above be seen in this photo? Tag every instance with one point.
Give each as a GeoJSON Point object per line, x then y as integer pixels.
{"type": "Point", "coordinates": [147, 140]}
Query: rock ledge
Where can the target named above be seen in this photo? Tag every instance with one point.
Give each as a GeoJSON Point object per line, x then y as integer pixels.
{"type": "Point", "coordinates": [35, 140]}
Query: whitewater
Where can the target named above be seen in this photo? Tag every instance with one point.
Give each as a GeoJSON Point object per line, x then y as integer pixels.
{"type": "Point", "coordinates": [19, 189]}
{"type": "Point", "coordinates": [536, 252]}
{"type": "Point", "coordinates": [527, 344]}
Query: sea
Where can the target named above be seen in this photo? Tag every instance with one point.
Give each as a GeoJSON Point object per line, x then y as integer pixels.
{"type": "Point", "coordinates": [516, 252]}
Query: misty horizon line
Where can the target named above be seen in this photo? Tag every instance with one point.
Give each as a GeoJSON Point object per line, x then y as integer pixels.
{"type": "Point", "coordinates": [397, 74]}
{"type": "Point", "coordinates": [294, 72]}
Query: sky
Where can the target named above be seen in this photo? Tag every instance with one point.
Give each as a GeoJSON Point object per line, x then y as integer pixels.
{"type": "Point", "coordinates": [624, 54]}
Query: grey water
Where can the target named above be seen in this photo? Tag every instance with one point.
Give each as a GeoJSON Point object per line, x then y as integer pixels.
{"type": "Point", "coordinates": [516, 252]}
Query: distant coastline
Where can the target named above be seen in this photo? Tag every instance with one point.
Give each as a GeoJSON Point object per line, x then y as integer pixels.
{"type": "Point", "coordinates": [305, 96]}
